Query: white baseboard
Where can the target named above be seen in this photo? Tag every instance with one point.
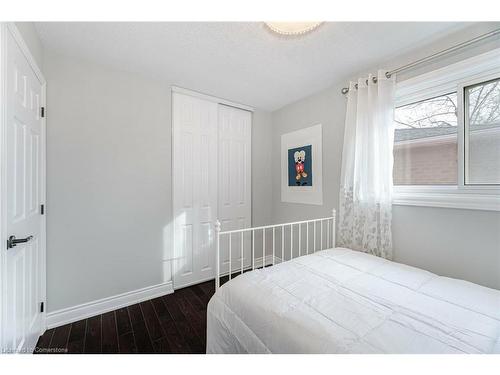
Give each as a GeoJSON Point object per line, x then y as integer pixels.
{"type": "Point", "coordinates": [85, 310]}
{"type": "Point", "coordinates": [257, 264]}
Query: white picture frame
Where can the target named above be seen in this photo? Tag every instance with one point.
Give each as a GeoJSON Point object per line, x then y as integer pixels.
{"type": "Point", "coordinates": [303, 194]}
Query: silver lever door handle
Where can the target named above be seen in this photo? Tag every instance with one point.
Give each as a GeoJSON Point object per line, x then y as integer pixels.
{"type": "Point", "coordinates": [12, 241]}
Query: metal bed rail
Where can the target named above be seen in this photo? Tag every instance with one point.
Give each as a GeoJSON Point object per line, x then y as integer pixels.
{"type": "Point", "coordinates": [316, 236]}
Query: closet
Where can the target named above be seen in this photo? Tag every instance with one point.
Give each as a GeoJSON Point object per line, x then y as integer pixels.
{"type": "Point", "coordinates": [211, 165]}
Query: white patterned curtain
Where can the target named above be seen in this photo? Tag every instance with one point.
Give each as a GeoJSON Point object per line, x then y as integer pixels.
{"type": "Point", "coordinates": [365, 212]}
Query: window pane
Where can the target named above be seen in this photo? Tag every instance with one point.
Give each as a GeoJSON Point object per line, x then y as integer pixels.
{"type": "Point", "coordinates": [483, 128]}
{"type": "Point", "coordinates": [425, 142]}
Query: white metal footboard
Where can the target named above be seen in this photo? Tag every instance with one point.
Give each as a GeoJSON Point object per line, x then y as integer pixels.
{"type": "Point", "coordinates": [309, 235]}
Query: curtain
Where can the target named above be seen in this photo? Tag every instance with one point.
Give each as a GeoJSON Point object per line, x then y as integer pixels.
{"type": "Point", "coordinates": [365, 211]}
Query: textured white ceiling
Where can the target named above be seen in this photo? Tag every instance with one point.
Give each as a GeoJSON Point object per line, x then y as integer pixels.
{"type": "Point", "coordinates": [243, 62]}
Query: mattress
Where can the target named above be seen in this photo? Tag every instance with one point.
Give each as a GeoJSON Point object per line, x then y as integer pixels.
{"type": "Point", "coordinates": [344, 301]}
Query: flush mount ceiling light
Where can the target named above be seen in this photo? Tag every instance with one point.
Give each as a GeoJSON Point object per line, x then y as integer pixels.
{"type": "Point", "coordinates": [292, 28]}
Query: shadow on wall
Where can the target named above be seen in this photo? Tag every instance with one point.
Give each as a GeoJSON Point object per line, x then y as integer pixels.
{"type": "Point", "coordinates": [167, 261]}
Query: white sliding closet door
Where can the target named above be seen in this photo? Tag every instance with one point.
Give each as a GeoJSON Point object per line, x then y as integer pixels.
{"type": "Point", "coordinates": [195, 170]}
{"type": "Point", "coordinates": [235, 195]}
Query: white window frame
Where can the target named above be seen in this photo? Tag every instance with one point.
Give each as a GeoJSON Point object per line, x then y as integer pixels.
{"type": "Point", "coordinates": [452, 78]}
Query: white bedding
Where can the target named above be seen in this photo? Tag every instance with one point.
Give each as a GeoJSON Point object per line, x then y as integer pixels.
{"type": "Point", "coordinates": [344, 301]}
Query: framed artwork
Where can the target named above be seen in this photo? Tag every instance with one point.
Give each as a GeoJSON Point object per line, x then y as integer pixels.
{"type": "Point", "coordinates": [301, 166]}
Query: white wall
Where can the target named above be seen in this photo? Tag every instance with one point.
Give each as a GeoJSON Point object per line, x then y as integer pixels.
{"type": "Point", "coordinates": [109, 186]}
{"type": "Point", "coordinates": [261, 168]}
{"type": "Point", "coordinates": [30, 36]}
{"type": "Point", "coordinates": [323, 108]}
{"type": "Point", "coordinates": [456, 243]}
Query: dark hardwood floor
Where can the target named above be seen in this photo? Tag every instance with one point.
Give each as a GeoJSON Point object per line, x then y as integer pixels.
{"type": "Point", "coordinates": [175, 323]}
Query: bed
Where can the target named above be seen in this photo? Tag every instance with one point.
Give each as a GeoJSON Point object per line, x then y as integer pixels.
{"type": "Point", "coordinates": [343, 301]}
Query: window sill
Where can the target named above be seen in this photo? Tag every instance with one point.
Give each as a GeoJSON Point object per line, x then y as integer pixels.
{"type": "Point", "coordinates": [470, 198]}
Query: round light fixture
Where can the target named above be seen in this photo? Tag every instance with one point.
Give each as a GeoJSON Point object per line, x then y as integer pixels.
{"type": "Point", "coordinates": [292, 28]}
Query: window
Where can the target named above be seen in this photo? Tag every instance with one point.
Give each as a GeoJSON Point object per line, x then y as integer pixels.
{"type": "Point", "coordinates": [482, 133]}
{"type": "Point", "coordinates": [447, 136]}
{"type": "Point", "coordinates": [425, 142]}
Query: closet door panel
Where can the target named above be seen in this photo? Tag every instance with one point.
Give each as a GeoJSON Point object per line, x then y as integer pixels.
{"type": "Point", "coordinates": [235, 184]}
{"type": "Point", "coordinates": [194, 163]}
{"type": "Point", "coordinates": [206, 185]}
{"type": "Point", "coordinates": [185, 221]}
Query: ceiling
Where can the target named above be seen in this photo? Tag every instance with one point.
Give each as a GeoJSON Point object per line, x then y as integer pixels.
{"type": "Point", "coordinates": [241, 61]}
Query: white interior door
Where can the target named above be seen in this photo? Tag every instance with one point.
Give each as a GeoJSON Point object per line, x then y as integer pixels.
{"type": "Point", "coordinates": [194, 188]}
{"type": "Point", "coordinates": [23, 273]}
{"type": "Point", "coordinates": [235, 185]}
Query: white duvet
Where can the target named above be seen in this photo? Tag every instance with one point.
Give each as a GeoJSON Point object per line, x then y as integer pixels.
{"type": "Point", "coordinates": [344, 301]}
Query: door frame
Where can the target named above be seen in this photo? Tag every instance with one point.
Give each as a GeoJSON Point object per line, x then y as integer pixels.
{"type": "Point", "coordinates": [5, 28]}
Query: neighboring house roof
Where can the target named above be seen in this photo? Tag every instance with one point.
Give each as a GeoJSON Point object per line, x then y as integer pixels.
{"type": "Point", "coordinates": [401, 135]}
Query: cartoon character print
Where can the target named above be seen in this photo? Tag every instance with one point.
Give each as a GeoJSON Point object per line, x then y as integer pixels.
{"type": "Point", "coordinates": [300, 157]}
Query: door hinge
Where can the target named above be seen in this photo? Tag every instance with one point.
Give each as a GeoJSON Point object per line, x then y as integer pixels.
{"type": "Point", "coordinates": [42, 111]}
{"type": "Point", "coordinates": [42, 305]}
{"type": "Point", "coordinates": [42, 209]}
